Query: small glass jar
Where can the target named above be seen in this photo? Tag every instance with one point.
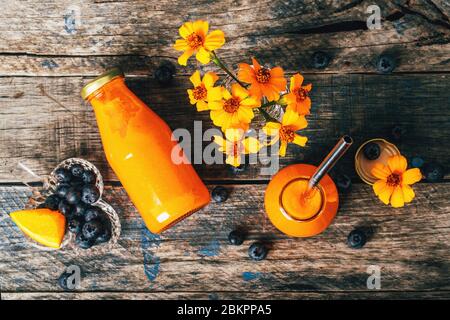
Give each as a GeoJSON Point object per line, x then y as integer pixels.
{"type": "Point", "coordinates": [291, 211]}
{"type": "Point", "coordinates": [139, 147]}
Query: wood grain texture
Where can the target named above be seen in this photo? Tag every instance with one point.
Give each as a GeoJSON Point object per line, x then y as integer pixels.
{"type": "Point", "coordinates": [44, 120]}
{"type": "Point", "coordinates": [82, 37]}
{"type": "Point", "coordinates": [409, 244]}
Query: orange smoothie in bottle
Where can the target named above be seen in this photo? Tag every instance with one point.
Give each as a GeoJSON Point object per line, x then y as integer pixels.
{"type": "Point", "coordinates": [138, 146]}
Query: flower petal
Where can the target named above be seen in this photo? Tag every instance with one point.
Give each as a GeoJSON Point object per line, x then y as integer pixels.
{"type": "Point", "coordinates": [255, 91]}
{"type": "Point", "coordinates": [233, 134]}
{"type": "Point", "coordinates": [186, 29]}
{"type": "Point", "coordinates": [181, 45]}
{"type": "Point", "coordinates": [300, 140]}
{"type": "Point", "coordinates": [238, 91]}
{"type": "Point", "coordinates": [385, 194]}
{"type": "Point", "coordinates": [234, 161]}
{"type": "Point", "coordinates": [245, 114]}
{"type": "Point", "coordinates": [256, 65]}
{"type": "Point", "coordinates": [203, 56]}
{"type": "Point", "coordinates": [202, 106]}
{"type": "Point", "coordinates": [397, 199]}
{"type": "Point", "coordinates": [379, 186]}
{"type": "Point", "coordinates": [182, 60]}
{"type": "Point", "coordinates": [221, 142]}
{"type": "Point", "coordinates": [411, 176]}
{"type": "Point", "coordinates": [246, 73]}
{"type": "Point", "coordinates": [195, 78]}
{"type": "Point", "coordinates": [251, 145]}
{"type": "Point", "coordinates": [192, 100]}
{"type": "Point", "coordinates": [290, 117]}
{"type": "Point", "coordinates": [381, 171]}
{"type": "Point", "coordinates": [272, 128]}
{"type": "Point", "coordinates": [277, 72]}
{"type": "Point", "coordinates": [251, 102]}
{"type": "Point", "coordinates": [408, 193]}
{"type": "Point", "coordinates": [397, 163]}
{"type": "Point", "coordinates": [215, 104]}
{"type": "Point", "coordinates": [296, 81]}
{"type": "Point", "coordinates": [300, 123]}
{"type": "Point", "coordinates": [270, 92]}
{"type": "Point", "coordinates": [215, 94]}
{"type": "Point", "coordinates": [283, 147]}
{"type": "Point", "coordinates": [209, 79]}
{"type": "Point", "coordinates": [214, 40]}
{"type": "Point", "coordinates": [201, 27]}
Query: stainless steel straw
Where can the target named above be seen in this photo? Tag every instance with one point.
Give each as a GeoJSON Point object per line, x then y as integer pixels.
{"type": "Point", "coordinates": [330, 160]}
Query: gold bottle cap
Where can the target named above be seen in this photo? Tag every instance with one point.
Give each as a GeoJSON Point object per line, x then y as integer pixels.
{"type": "Point", "coordinates": [100, 81]}
{"type": "Point", "coordinates": [364, 166]}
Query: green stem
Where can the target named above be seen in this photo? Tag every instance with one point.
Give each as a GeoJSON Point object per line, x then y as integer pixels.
{"type": "Point", "coordinates": [267, 116]}
{"type": "Point", "coordinates": [221, 65]}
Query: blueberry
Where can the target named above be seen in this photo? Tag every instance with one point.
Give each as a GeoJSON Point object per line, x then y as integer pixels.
{"type": "Point", "coordinates": [371, 151]}
{"type": "Point", "coordinates": [320, 60]}
{"type": "Point", "coordinates": [82, 242]}
{"type": "Point", "coordinates": [88, 177]}
{"type": "Point", "coordinates": [73, 196]}
{"type": "Point", "coordinates": [79, 209]}
{"type": "Point", "coordinates": [164, 74]}
{"type": "Point", "coordinates": [417, 162]}
{"type": "Point", "coordinates": [239, 169]}
{"type": "Point", "coordinates": [235, 238]}
{"type": "Point", "coordinates": [433, 172]}
{"type": "Point", "coordinates": [343, 182]}
{"type": "Point", "coordinates": [257, 251]}
{"type": "Point", "coordinates": [105, 235]}
{"type": "Point", "coordinates": [63, 175]}
{"type": "Point", "coordinates": [397, 132]}
{"type": "Point", "coordinates": [356, 239]}
{"type": "Point", "coordinates": [62, 189]}
{"type": "Point", "coordinates": [74, 225]}
{"type": "Point", "coordinates": [52, 202]}
{"type": "Point", "coordinates": [41, 206]}
{"type": "Point", "coordinates": [219, 194]}
{"type": "Point", "coordinates": [64, 207]}
{"type": "Point", "coordinates": [92, 229]}
{"type": "Point", "coordinates": [93, 213]}
{"type": "Point", "coordinates": [90, 194]}
{"type": "Point", "coordinates": [76, 170]}
{"type": "Point", "coordinates": [385, 64]}
{"type": "Point", "coordinates": [77, 183]}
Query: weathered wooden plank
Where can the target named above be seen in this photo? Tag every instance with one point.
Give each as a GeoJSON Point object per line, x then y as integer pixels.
{"type": "Point", "coordinates": [138, 34]}
{"type": "Point", "coordinates": [410, 245]}
{"type": "Point", "coordinates": [373, 294]}
{"type": "Point", "coordinates": [44, 120]}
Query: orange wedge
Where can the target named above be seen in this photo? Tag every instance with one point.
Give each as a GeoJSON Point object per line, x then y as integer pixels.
{"type": "Point", "coordinates": [42, 225]}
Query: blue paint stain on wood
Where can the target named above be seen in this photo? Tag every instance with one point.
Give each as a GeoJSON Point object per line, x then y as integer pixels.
{"type": "Point", "coordinates": [210, 250]}
{"type": "Point", "coordinates": [249, 276]}
{"type": "Point", "coordinates": [70, 22]}
{"type": "Point", "coordinates": [50, 64]}
{"type": "Point", "coordinates": [152, 262]}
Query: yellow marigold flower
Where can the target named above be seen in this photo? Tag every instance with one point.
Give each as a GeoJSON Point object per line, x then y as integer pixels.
{"type": "Point", "coordinates": [394, 184]}
{"type": "Point", "coordinates": [197, 40]}
{"type": "Point", "coordinates": [202, 89]}
{"type": "Point", "coordinates": [235, 145]}
{"type": "Point", "coordinates": [233, 109]}
{"type": "Point", "coordinates": [298, 98]}
{"type": "Point", "coordinates": [285, 131]}
{"type": "Point", "coordinates": [263, 81]}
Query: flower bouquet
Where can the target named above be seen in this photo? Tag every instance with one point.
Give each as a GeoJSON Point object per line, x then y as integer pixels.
{"type": "Point", "coordinates": [255, 88]}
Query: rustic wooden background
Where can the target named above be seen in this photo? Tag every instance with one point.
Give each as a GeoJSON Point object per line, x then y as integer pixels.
{"type": "Point", "coordinates": [49, 49]}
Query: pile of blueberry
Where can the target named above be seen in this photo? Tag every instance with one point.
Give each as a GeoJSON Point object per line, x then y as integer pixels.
{"type": "Point", "coordinates": [74, 197]}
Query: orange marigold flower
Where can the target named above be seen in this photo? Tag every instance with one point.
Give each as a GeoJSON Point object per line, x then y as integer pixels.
{"type": "Point", "coordinates": [298, 98]}
{"type": "Point", "coordinates": [286, 131]}
{"type": "Point", "coordinates": [263, 81]}
{"type": "Point", "coordinates": [233, 109]}
{"type": "Point", "coordinates": [197, 40]}
{"type": "Point", "coordinates": [203, 88]}
{"type": "Point", "coordinates": [235, 145]}
{"type": "Point", "coordinates": [394, 184]}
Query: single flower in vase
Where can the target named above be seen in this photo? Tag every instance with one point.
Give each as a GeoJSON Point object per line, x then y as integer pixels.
{"type": "Point", "coordinates": [202, 89]}
{"type": "Point", "coordinates": [263, 81]}
{"type": "Point", "coordinates": [196, 39]}
{"type": "Point", "coordinates": [394, 184]}
{"type": "Point", "coordinates": [235, 145]}
{"type": "Point", "coordinates": [285, 132]}
{"type": "Point", "coordinates": [233, 110]}
{"type": "Point", "coordinates": [298, 99]}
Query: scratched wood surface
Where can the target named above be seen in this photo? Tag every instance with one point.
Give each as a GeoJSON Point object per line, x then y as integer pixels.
{"type": "Point", "coordinates": [49, 49]}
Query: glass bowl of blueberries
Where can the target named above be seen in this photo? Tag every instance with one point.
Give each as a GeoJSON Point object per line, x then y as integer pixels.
{"type": "Point", "coordinates": [75, 189]}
